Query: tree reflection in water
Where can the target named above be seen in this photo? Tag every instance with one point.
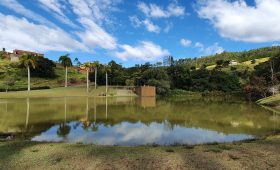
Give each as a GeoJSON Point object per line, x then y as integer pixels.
{"type": "Point", "coordinates": [64, 129]}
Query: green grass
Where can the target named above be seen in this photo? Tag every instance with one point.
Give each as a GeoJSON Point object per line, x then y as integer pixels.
{"type": "Point", "coordinates": [270, 100]}
{"type": "Point", "coordinates": [58, 92]}
{"type": "Point", "coordinates": [36, 155]}
{"type": "Point", "coordinates": [79, 91]}
{"type": "Point", "coordinates": [271, 103]}
{"type": "Point", "coordinates": [242, 66]}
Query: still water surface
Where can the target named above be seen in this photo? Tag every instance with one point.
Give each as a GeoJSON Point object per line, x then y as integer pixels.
{"type": "Point", "coordinates": [135, 121]}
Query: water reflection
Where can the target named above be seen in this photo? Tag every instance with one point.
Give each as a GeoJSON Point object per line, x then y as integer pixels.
{"type": "Point", "coordinates": [63, 128]}
{"type": "Point", "coordinates": [27, 112]}
{"type": "Point", "coordinates": [135, 121]}
{"type": "Point", "coordinates": [138, 134]}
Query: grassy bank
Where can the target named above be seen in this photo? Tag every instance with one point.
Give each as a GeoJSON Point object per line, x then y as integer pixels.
{"type": "Point", "coordinates": [261, 154]}
{"type": "Point", "coordinates": [63, 92]}
{"type": "Point", "coordinates": [20, 74]}
{"type": "Point", "coordinates": [272, 102]}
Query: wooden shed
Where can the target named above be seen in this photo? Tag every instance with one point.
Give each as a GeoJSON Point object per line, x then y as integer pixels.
{"type": "Point", "coordinates": [146, 91]}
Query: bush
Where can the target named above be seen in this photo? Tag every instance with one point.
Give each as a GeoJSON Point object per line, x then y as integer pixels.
{"type": "Point", "coordinates": [162, 86]}
{"type": "Point", "coordinates": [73, 80]}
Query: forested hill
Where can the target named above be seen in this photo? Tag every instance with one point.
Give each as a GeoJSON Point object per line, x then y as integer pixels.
{"type": "Point", "coordinates": [237, 56]}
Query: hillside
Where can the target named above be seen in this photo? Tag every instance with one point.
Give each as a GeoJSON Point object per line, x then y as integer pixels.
{"type": "Point", "coordinates": [16, 76]}
{"type": "Point", "coordinates": [240, 57]}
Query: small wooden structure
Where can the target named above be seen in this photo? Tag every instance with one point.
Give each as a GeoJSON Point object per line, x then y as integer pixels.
{"type": "Point", "coordinates": [146, 91]}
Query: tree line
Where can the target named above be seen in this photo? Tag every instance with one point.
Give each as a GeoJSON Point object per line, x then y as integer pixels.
{"type": "Point", "coordinates": [186, 74]}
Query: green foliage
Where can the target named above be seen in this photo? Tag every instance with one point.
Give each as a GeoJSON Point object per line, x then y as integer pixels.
{"type": "Point", "coordinates": [262, 80]}
{"type": "Point", "coordinates": [180, 76]}
{"type": "Point", "coordinates": [28, 60]}
{"type": "Point", "coordinates": [44, 68]}
{"type": "Point", "coordinates": [157, 77]}
{"type": "Point", "coordinates": [65, 60]}
{"type": "Point", "coordinates": [219, 62]}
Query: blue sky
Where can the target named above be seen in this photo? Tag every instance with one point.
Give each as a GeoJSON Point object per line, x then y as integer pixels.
{"type": "Point", "coordinates": [133, 32]}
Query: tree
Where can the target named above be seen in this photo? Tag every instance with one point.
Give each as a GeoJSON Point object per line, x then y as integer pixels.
{"type": "Point", "coordinates": [107, 69]}
{"type": "Point", "coordinates": [219, 62]}
{"type": "Point", "coordinates": [66, 62]}
{"type": "Point", "coordinates": [95, 65]}
{"type": "Point", "coordinates": [44, 68]}
{"type": "Point", "coordinates": [157, 77]}
{"type": "Point", "coordinates": [2, 53]}
{"type": "Point", "coordinates": [10, 78]}
{"type": "Point", "coordinates": [77, 62]}
{"type": "Point", "coordinates": [28, 61]}
{"type": "Point", "coordinates": [88, 66]}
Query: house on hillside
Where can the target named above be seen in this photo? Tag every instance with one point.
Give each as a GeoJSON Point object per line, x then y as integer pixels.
{"type": "Point", "coordinates": [16, 54]}
{"type": "Point", "coordinates": [233, 63]}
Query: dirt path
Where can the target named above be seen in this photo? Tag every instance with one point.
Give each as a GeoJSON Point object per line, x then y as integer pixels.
{"type": "Point", "coordinates": [262, 154]}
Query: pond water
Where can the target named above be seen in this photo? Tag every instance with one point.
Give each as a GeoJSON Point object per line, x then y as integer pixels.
{"type": "Point", "coordinates": [135, 121]}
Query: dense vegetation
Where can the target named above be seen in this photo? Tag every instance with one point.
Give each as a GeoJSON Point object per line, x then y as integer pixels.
{"type": "Point", "coordinates": [264, 81]}
{"type": "Point", "coordinates": [207, 74]}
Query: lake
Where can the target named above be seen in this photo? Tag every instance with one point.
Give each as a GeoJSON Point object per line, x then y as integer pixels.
{"type": "Point", "coordinates": [131, 121]}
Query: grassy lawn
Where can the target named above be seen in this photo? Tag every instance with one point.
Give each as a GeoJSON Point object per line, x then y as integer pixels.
{"type": "Point", "coordinates": [261, 154]}
{"type": "Point", "coordinates": [58, 92]}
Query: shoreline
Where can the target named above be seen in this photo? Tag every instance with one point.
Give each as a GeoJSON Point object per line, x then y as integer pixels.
{"type": "Point", "coordinates": [256, 154]}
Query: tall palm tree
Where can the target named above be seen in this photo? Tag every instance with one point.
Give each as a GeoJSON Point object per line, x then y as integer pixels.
{"type": "Point", "coordinates": [88, 66]}
{"type": "Point", "coordinates": [66, 62]}
{"type": "Point", "coordinates": [95, 65]}
{"type": "Point", "coordinates": [28, 60]}
{"type": "Point", "coordinates": [107, 69]}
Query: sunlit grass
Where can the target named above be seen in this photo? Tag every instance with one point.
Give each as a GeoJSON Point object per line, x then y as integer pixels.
{"type": "Point", "coordinates": [59, 92]}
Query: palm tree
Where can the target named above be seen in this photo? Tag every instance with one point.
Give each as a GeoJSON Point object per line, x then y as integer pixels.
{"type": "Point", "coordinates": [28, 60]}
{"type": "Point", "coordinates": [95, 65]}
{"type": "Point", "coordinates": [66, 62]}
{"type": "Point", "coordinates": [88, 66]}
{"type": "Point", "coordinates": [107, 69]}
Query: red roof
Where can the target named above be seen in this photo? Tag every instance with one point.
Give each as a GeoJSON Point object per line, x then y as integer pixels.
{"type": "Point", "coordinates": [22, 52]}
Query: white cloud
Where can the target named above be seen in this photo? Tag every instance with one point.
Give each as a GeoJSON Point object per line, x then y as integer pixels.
{"type": "Point", "coordinates": [97, 10]}
{"type": "Point", "coordinates": [19, 33]}
{"type": "Point", "coordinates": [239, 21]}
{"type": "Point", "coordinates": [55, 7]}
{"type": "Point", "coordinates": [168, 27]}
{"type": "Point", "coordinates": [91, 14]}
{"type": "Point", "coordinates": [185, 42]}
{"type": "Point", "coordinates": [149, 25]}
{"type": "Point", "coordinates": [20, 9]}
{"type": "Point", "coordinates": [145, 51]}
{"type": "Point", "coordinates": [95, 36]}
{"type": "Point", "coordinates": [210, 50]}
{"type": "Point", "coordinates": [213, 49]}
{"type": "Point", "coordinates": [135, 21]}
{"type": "Point", "coordinates": [199, 45]}
{"type": "Point", "coordinates": [155, 11]}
